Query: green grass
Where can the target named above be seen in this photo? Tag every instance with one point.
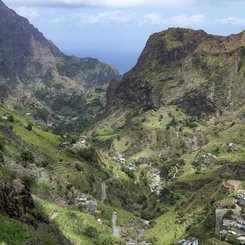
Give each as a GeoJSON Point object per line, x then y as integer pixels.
{"type": "Point", "coordinates": [13, 232]}
{"type": "Point", "coordinates": [166, 230]}
{"type": "Point", "coordinates": [124, 217]}
{"type": "Point", "coordinates": [73, 223]}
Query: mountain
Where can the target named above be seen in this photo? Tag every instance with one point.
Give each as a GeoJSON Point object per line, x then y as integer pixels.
{"type": "Point", "coordinates": [41, 179]}
{"type": "Point", "coordinates": [198, 72]}
{"type": "Point", "coordinates": [161, 152]}
{"type": "Point", "coordinates": [38, 79]}
{"type": "Point", "coordinates": [28, 59]}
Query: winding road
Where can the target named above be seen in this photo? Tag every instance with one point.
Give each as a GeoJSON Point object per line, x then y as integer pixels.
{"type": "Point", "coordinates": [103, 191]}
{"type": "Point", "coordinates": [104, 187]}
{"type": "Point", "coordinates": [114, 225]}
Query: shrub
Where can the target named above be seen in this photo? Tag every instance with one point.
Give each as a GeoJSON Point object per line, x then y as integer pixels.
{"type": "Point", "coordinates": [2, 143]}
{"type": "Point", "coordinates": [28, 180]}
{"type": "Point", "coordinates": [89, 154]}
{"type": "Point", "coordinates": [1, 158]}
{"type": "Point", "coordinates": [29, 127]}
{"type": "Point", "coordinates": [106, 240]}
{"type": "Point", "coordinates": [191, 122]}
{"type": "Point", "coordinates": [91, 232]}
{"type": "Point", "coordinates": [11, 118]}
{"type": "Point", "coordinates": [129, 172]}
{"type": "Point", "coordinates": [42, 114]}
{"type": "Point", "coordinates": [78, 167]}
{"type": "Point", "coordinates": [27, 156]}
{"type": "Point", "coordinates": [172, 123]}
{"type": "Point", "coordinates": [44, 163]}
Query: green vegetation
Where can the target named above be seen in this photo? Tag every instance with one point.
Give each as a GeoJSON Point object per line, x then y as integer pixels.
{"type": "Point", "coordinates": [81, 228]}
{"type": "Point", "coordinates": [164, 152]}
{"type": "Point", "coordinates": [13, 232]}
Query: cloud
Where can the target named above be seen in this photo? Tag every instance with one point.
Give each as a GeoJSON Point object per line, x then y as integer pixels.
{"type": "Point", "coordinates": [152, 19]}
{"type": "Point", "coordinates": [157, 19]}
{"type": "Point", "coordinates": [105, 18]}
{"type": "Point", "coordinates": [97, 3]}
{"type": "Point", "coordinates": [111, 3]}
{"type": "Point", "coordinates": [185, 20]}
{"type": "Point", "coordinates": [234, 21]}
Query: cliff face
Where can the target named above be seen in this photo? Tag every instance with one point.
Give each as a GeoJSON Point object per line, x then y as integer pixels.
{"type": "Point", "coordinates": [15, 200]}
{"type": "Point", "coordinates": [191, 69]}
{"type": "Point", "coordinates": [26, 56]}
{"type": "Point", "coordinates": [23, 49]}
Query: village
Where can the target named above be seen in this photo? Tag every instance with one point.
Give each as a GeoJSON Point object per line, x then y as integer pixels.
{"type": "Point", "coordinates": [230, 223]}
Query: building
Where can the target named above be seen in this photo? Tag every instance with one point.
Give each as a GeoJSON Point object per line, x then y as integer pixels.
{"type": "Point", "coordinates": [91, 206]}
{"type": "Point", "coordinates": [227, 223]}
{"type": "Point", "coordinates": [122, 161]}
{"type": "Point", "coordinates": [241, 197]}
{"type": "Point", "coordinates": [131, 166]}
{"type": "Point", "coordinates": [241, 239]}
{"type": "Point", "coordinates": [189, 241]}
{"type": "Point", "coordinates": [82, 200]}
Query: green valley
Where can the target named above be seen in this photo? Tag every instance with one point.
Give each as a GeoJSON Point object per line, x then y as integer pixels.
{"type": "Point", "coordinates": [88, 157]}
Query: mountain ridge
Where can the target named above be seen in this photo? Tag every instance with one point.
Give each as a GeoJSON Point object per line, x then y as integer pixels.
{"type": "Point", "coordinates": [36, 74]}
{"type": "Point", "coordinates": [181, 60]}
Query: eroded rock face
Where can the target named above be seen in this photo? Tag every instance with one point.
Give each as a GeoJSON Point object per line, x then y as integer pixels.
{"type": "Point", "coordinates": [26, 56]}
{"type": "Point", "coordinates": [134, 92]}
{"type": "Point", "coordinates": [21, 47]}
{"type": "Point", "coordinates": [191, 69]}
{"type": "Point", "coordinates": [196, 102]}
{"type": "Point", "coordinates": [15, 200]}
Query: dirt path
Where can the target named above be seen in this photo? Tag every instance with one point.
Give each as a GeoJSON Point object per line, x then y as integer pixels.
{"type": "Point", "coordinates": [235, 183]}
{"type": "Point", "coordinates": [103, 191]}
{"type": "Point", "coordinates": [104, 187]}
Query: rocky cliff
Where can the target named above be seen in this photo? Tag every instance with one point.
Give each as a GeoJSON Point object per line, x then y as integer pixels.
{"type": "Point", "coordinates": [16, 200]}
{"type": "Point", "coordinates": [191, 69]}
{"type": "Point", "coordinates": [28, 58]}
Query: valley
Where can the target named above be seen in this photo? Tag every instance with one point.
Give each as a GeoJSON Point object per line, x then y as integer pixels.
{"type": "Point", "coordinates": [90, 157]}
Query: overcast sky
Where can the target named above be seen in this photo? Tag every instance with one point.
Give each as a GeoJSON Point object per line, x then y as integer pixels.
{"type": "Point", "coordinates": [115, 31]}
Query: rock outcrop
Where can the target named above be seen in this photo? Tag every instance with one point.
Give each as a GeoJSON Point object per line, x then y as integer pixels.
{"type": "Point", "coordinates": [15, 200]}
{"type": "Point", "coordinates": [191, 69]}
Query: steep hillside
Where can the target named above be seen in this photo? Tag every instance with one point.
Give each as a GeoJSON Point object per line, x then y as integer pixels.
{"type": "Point", "coordinates": [35, 76]}
{"type": "Point", "coordinates": [175, 123]}
{"type": "Point", "coordinates": [42, 178]}
{"type": "Point", "coordinates": [199, 73]}
{"type": "Point", "coordinates": [29, 59]}
{"type": "Point", "coordinates": [161, 153]}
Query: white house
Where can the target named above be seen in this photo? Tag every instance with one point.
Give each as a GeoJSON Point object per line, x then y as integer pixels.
{"type": "Point", "coordinates": [241, 197]}
{"type": "Point", "coordinates": [189, 241]}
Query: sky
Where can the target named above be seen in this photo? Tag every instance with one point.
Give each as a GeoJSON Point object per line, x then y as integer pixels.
{"type": "Point", "coordinates": [115, 31]}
